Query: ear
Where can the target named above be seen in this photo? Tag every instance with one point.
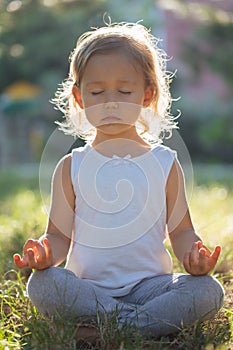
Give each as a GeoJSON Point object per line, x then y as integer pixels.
{"type": "Point", "coordinates": [148, 96]}
{"type": "Point", "coordinates": [77, 96]}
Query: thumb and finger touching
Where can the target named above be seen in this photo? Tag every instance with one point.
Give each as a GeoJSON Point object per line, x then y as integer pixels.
{"type": "Point", "coordinates": [200, 260]}
{"type": "Point", "coordinates": [36, 254]}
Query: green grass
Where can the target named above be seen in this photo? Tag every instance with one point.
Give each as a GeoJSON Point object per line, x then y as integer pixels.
{"type": "Point", "coordinates": [22, 327]}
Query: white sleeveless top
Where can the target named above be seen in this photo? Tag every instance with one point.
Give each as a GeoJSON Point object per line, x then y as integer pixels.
{"type": "Point", "coordinates": [120, 218]}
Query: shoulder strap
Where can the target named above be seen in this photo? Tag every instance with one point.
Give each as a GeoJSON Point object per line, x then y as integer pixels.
{"type": "Point", "coordinates": [77, 155]}
{"type": "Point", "coordinates": [166, 157]}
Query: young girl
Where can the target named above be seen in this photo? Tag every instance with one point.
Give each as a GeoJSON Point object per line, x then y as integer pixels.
{"type": "Point", "coordinates": [115, 200]}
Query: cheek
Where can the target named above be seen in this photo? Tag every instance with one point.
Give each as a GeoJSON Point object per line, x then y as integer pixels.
{"type": "Point", "coordinates": [90, 101]}
{"type": "Point", "coordinates": [129, 111]}
{"type": "Point", "coordinates": [94, 113]}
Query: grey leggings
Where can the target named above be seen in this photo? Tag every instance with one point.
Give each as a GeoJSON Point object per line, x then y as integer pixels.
{"type": "Point", "coordinates": [159, 305]}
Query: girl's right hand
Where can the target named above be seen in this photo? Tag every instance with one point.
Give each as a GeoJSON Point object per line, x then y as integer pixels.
{"type": "Point", "coordinates": [36, 255]}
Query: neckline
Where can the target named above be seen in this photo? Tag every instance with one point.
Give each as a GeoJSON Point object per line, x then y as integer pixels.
{"type": "Point", "coordinates": [127, 156]}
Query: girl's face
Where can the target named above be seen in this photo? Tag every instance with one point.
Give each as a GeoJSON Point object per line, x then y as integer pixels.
{"type": "Point", "coordinates": [112, 90]}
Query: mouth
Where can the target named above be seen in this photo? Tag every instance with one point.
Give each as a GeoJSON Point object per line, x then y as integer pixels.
{"type": "Point", "coordinates": [110, 119]}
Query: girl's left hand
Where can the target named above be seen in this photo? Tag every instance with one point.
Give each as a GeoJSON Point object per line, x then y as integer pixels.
{"type": "Point", "coordinates": [200, 260]}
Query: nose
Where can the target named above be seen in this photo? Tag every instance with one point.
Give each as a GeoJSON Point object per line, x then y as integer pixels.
{"type": "Point", "coordinates": [111, 105]}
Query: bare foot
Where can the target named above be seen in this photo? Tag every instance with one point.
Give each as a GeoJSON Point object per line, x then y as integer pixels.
{"type": "Point", "coordinates": [87, 334]}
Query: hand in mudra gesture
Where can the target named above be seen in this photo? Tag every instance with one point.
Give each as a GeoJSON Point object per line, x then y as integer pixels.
{"type": "Point", "coordinates": [200, 260]}
{"type": "Point", "coordinates": [36, 255]}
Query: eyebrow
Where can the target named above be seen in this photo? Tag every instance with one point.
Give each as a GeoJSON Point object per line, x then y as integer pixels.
{"type": "Point", "coordinates": [118, 81]}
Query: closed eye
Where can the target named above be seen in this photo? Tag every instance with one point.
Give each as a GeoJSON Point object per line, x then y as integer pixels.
{"type": "Point", "coordinates": [96, 92]}
{"type": "Point", "coordinates": [125, 92]}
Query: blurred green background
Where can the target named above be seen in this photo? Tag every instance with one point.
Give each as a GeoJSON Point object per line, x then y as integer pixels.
{"type": "Point", "coordinates": [37, 36]}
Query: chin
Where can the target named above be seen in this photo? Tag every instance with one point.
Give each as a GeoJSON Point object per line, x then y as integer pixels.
{"type": "Point", "coordinates": [114, 128]}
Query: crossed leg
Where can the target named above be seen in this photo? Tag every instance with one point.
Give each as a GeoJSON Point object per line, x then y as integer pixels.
{"type": "Point", "coordinates": [159, 305]}
{"type": "Point", "coordinates": [169, 302]}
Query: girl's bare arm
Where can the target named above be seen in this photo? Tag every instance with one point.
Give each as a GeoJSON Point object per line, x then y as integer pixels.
{"type": "Point", "coordinates": [186, 243]}
{"type": "Point", "coordinates": [52, 248]}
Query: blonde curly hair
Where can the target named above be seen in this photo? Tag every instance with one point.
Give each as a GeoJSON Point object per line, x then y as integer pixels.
{"type": "Point", "coordinates": [135, 39]}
